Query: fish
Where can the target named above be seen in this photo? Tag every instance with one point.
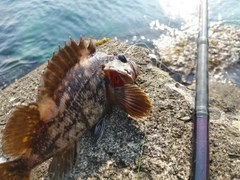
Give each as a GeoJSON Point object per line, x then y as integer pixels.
{"type": "Point", "coordinates": [77, 89]}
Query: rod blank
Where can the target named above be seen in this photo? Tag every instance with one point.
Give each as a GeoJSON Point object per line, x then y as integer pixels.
{"type": "Point", "coordinates": [200, 161]}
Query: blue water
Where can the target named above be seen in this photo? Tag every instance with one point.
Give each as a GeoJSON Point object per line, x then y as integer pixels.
{"type": "Point", "coordinates": [31, 30]}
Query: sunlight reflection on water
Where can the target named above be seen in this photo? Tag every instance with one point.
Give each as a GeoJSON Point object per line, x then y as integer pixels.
{"type": "Point", "coordinates": [30, 31]}
{"type": "Point", "coordinates": [184, 9]}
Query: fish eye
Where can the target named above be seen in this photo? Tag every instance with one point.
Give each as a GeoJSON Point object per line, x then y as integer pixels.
{"type": "Point", "coordinates": [122, 58]}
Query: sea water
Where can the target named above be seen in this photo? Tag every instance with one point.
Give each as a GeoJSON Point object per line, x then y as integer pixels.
{"type": "Point", "coordinates": [31, 30]}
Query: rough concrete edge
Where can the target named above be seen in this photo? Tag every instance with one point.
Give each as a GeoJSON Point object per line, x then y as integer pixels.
{"type": "Point", "coordinates": [34, 76]}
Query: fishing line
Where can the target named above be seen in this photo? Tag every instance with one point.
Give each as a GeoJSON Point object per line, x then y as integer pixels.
{"type": "Point", "coordinates": [152, 51]}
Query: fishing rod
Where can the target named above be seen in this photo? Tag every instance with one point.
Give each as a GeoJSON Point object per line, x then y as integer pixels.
{"type": "Point", "coordinates": [200, 159]}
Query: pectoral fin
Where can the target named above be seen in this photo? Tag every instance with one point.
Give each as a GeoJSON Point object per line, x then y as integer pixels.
{"type": "Point", "coordinates": [63, 162]}
{"type": "Point", "coordinates": [99, 128]}
{"type": "Point", "coordinates": [132, 99]}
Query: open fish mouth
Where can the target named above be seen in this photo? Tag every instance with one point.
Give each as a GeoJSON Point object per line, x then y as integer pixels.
{"type": "Point", "coordinates": [121, 73]}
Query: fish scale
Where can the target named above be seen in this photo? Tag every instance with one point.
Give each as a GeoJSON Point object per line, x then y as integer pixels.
{"type": "Point", "coordinates": [77, 89]}
{"type": "Point", "coordinates": [80, 111]}
{"type": "Point", "coordinates": [79, 83]}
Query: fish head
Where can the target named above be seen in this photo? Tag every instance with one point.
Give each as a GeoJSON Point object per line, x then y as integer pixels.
{"type": "Point", "coordinates": [121, 71]}
{"type": "Point", "coordinates": [121, 90]}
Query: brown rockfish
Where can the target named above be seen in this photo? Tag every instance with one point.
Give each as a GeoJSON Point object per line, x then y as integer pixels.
{"type": "Point", "coordinates": [78, 87]}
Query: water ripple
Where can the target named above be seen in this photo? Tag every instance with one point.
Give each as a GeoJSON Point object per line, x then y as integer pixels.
{"type": "Point", "coordinates": [31, 30]}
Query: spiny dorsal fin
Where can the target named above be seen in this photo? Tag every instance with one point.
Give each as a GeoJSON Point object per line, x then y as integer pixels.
{"type": "Point", "coordinates": [91, 47]}
{"type": "Point", "coordinates": [60, 64]}
{"type": "Point", "coordinates": [20, 130]}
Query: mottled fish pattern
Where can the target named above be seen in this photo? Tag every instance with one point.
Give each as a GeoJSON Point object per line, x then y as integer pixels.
{"type": "Point", "coordinates": [77, 89]}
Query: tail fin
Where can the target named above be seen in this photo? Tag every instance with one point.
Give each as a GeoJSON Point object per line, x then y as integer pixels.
{"type": "Point", "coordinates": [14, 170]}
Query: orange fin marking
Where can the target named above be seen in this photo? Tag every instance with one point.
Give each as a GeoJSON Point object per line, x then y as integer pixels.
{"type": "Point", "coordinates": [20, 130]}
{"type": "Point", "coordinates": [58, 66]}
{"type": "Point", "coordinates": [132, 99]}
{"type": "Point", "coordinates": [63, 162]}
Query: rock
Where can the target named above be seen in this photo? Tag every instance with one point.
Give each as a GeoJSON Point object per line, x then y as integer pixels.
{"type": "Point", "coordinates": [158, 147]}
{"type": "Point", "coordinates": [179, 51]}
